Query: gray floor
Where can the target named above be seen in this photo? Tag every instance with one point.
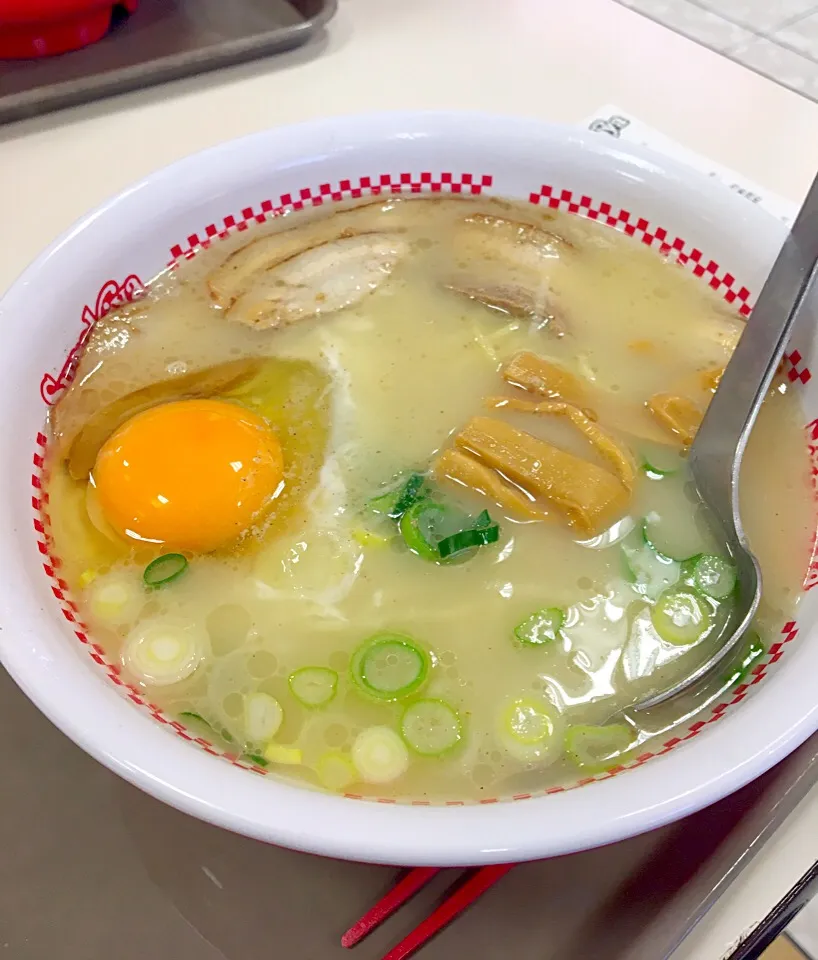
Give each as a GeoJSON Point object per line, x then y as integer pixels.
{"type": "Point", "coordinates": [778, 38]}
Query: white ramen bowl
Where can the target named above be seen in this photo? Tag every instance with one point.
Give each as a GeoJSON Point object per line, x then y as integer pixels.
{"type": "Point", "coordinates": [104, 259]}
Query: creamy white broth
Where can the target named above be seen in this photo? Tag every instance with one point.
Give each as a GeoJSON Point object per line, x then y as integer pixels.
{"type": "Point", "coordinates": [397, 375]}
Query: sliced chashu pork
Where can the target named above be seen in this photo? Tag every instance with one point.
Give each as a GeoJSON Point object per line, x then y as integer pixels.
{"type": "Point", "coordinates": [321, 280]}
{"type": "Point", "coordinates": [513, 300]}
{"type": "Point", "coordinates": [515, 242]}
{"type": "Point", "coordinates": [241, 268]}
{"type": "Point", "coordinates": [251, 264]}
{"type": "Point", "coordinates": [506, 264]}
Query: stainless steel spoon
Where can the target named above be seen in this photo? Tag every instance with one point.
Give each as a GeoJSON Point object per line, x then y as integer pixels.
{"type": "Point", "coordinates": [716, 453]}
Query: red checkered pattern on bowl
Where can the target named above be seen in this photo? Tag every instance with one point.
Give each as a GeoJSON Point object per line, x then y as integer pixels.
{"type": "Point", "coordinates": [374, 186]}
{"type": "Point", "coordinates": [113, 294]}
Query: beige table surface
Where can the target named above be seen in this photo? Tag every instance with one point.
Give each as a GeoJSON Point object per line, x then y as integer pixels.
{"type": "Point", "coordinates": [555, 59]}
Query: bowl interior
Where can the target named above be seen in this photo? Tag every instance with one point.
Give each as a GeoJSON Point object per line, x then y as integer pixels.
{"type": "Point", "coordinates": [107, 259]}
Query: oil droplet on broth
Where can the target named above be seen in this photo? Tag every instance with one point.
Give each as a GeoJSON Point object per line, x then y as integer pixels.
{"type": "Point", "coordinates": [262, 664]}
{"type": "Point", "coordinates": [228, 626]}
{"type": "Point", "coordinates": [233, 705]}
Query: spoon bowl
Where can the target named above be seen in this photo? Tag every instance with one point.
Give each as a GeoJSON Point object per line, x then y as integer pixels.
{"type": "Point", "coordinates": [718, 448]}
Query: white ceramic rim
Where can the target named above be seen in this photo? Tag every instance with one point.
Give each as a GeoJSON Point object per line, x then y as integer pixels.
{"type": "Point", "coordinates": [739, 748]}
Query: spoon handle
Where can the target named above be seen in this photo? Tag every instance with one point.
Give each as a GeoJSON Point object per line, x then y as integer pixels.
{"type": "Point", "coordinates": [717, 451]}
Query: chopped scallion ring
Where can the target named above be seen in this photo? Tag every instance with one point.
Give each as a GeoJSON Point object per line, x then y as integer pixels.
{"type": "Point", "coordinates": [194, 716]}
{"type": "Point", "coordinates": [681, 617]}
{"type": "Point", "coordinates": [164, 569]}
{"type": "Point", "coordinates": [440, 533]}
{"type": "Point", "coordinates": [650, 572]}
{"type": "Point", "coordinates": [649, 525]}
{"type": "Point", "coordinates": [431, 727]}
{"type": "Point", "coordinates": [383, 504]}
{"type": "Point", "coordinates": [163, 652]}
{"type": "Point", "coordinates": [529, 731]}
{"type": "Point", "coordinates": [313, 686]}
{"type": "Point", "coordinates": [116, 598]}
{"type": "Point", "coordinates": [394, 503]}
{"type": "Point", "coordinates": [190, 715]}
{"type": "Point", "coordinates": [655, 473]}
{"type": "Point", "coordinates": [467, 539]}
{"type": "Point", "coordinates": [255, 758]}
{"type": "Point", "coordinates": [263, 717]}
{"type": "Point", "coordinates": [595, 746]}
{"type": "Point", "coordinates": [541, 627]}
{"type": "Point", "coordinates": [379, 755]}
{"type": "Point", "coordinates": [366, 538]}
{"type": "Point", "coordinates": [528, 722]}
{"type": "Point", "coordinates": [411, 492]}
{"type": "Point", "coordinates": [389, 666]}
{"type": "Point", "coordinates": [418, 527]}
{"type": "Point", "coordinates": [659, 461]}
{"type": "Point", "coordinates": [714, 576]}
{"type": "Point", "coordinates": [279, 753]}
{"type": "Point", "coordinates": [336, 771]}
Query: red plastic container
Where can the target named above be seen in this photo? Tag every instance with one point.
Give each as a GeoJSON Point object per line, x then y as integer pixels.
{"type": "Point", "coordinates": [41, 28]}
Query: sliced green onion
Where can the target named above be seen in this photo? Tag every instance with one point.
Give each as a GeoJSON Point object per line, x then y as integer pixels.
{"type": "Point", "coordinates": [389, 666]}
{"type": "Point", "coordinates": [431, 727]}
{"type": "Point", "coordinates": [164, 652]}
{"type": "Point", "coordinates": [659, 462]}
{"type": "Point", "coordinates": [714, 576]}
{"type": "Point", "coordinates": [595, 746]}
{"type": "Point", "coordinates": [255, 758]}
{"type": "Point", "coordinates": [164, 569]}
{"type": "Point", "coordinates": [655, 473]}
{"type": "Point", "coordinates": [649, 540]}
{"type": "Point", "coordinates": [686, 573]}
{"type": "Point", "coordinates": [649, 525]}
{"type": "Point", "coordinates": [529, 732]}
{"type": "Point", "coordinates": [313, 686]}
{"type": "Point", "coordinates": [336, 771]}
{"type": "Point", "coordinates": [116, 598]}
{"type": "Point", "coordinates": [394, 503]}
{"type": "Point", "coordinates": [190, 715]}
{"type": "Point", "coordinates": [284, 755]}
{"type": "Point", "coordinates": [650, 572]}
{"type": "Point", "coordinates": [541, 627]}
{"type": "Point", "coordinates": [438, 532]}
{"type": "Point", "coordinates": [263, 717]}
{"type": "Point", "coordinates": [528, 722]}
{"type": "Point", "coordinates": [753, 651]}
{"type": "Point", "coordinates": [379, 755]}
{"type": "Point", "coordinates": [466, 540]}
{"type": "Point", "coordinates": [411, 492]}
{"type": "Point", "coordinates": [682, 544]}
{"type": "Point", "coordinates": [419, 525]}
{"type": "Point", "coordinates": [198, 718]}
{"type": "Point", "coordinates": [367, 538]}
{"type": "Point", "coordinates": [681, 617]}
{"type": "Point", "coordinates": [484, 532]}
{"type": "Point", "coordinates": [383, 504]}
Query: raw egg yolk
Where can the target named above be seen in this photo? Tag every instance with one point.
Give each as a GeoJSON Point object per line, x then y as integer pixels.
{"type": "Point", "coordinates": [192, 474]}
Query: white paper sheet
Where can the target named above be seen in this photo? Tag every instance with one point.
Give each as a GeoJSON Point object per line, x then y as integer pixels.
{"type": "Point", "coordinates": [612, 121]}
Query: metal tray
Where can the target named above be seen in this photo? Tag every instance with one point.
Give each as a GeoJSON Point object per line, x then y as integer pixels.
{"type": "Point", "coordinates": [163, 40]}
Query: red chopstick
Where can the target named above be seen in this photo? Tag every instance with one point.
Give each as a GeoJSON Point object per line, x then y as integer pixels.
{"type": "Point", "coordinates": [463, 897]}
{"type": "Point", "coordinates": [404, 890]}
